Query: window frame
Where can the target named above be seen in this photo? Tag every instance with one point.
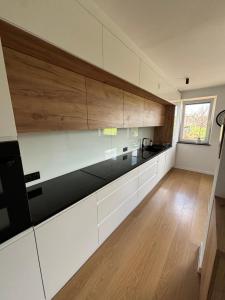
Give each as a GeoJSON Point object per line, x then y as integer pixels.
{"type": "Point", "coordinates": [211, 101]}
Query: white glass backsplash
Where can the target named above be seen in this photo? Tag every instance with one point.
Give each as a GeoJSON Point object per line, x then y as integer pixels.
{"type": "Point", "coordinates": [57, 153]}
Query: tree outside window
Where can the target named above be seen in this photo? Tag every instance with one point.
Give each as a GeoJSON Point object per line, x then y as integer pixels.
{"type": "Point", "coordinates": [196, 121]}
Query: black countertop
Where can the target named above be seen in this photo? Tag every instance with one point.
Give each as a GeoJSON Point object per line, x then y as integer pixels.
{"type": "Point", "coordinates": [52, 196]}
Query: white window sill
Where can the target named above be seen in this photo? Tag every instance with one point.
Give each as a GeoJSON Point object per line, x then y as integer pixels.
{"type": "Point", "coordinates": [194, 143]}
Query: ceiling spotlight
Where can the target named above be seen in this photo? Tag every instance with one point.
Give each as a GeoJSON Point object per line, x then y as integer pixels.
{"type": "Point", "coordinates": [187, 80]}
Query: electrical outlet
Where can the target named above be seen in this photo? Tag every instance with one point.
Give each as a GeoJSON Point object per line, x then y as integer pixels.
{"type": "Point", "coordinates": [32, 176]}
{"type": "Point", "coordinates": [125, 149]}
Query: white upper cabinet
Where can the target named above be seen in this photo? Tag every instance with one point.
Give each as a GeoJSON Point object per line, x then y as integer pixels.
{"type": "Point", "coordinates": [119, 59]}
{"type": "Point", "coordinates": [81, 30]}
{"type": "Point", "coordinates": [166, 91]}
{"type": "Point", "coordinates": [20, 276]}
{"type": "Point", "coordinates": [64, 23]}
{"type": "Point", "coordinates": [154, 83]}
{"type": "Point", "coordinates": [148, 79]}
{"type": "Point", "coordinates": [7, 122]}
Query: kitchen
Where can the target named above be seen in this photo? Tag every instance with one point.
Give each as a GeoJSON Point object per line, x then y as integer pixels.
{"type": "Point", "coordinates": [97, 172]}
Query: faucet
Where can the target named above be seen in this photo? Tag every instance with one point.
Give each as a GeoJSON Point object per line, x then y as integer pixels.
{"type": "Point", "coordinates": [143, 142]}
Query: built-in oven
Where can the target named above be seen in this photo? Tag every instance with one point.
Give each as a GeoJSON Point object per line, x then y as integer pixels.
{"type": "Point", "coordinates": [14, 211]}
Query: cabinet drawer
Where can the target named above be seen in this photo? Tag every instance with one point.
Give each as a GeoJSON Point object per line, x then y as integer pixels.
{"type": "Point", "coordinates": [147, 187]}
{"type": "Point", "coordinates": [148, 173]}
{"type": "Point", "coordinates": [108, 204]}
{"type": "Point", "coordinates": [112, 222]}
{"type": "Point", "coordinates": [147, 164]}
{"type": "Point", "coordinates": [116, 184]}
{"type": "Point", "coordinates": [66, 242]}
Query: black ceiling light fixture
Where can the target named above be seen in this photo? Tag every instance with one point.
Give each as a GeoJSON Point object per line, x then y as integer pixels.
{"type": "Point", "coordinates": [187, 80]}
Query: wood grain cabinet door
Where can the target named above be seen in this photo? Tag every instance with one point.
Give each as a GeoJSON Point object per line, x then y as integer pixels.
{"type": "Point", "coordinates": [154, 113]}
{"type": "Point", "coordinates": [45, 97]}
{"type": "Point", "coordinates": [133, 110]}
{"type": "Point", "coordinates": [105, 105]}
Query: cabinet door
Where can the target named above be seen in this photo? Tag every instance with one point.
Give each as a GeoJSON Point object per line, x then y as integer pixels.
{"type": "Point", "coordinates": [71, 27]}
{"type": "Point", "coordinates": [173, 157]}
{"type": "Point", "coordinates": [105, 105]}
{"type": "Point", "coordinates": [147, 178]}
{"type": "Point", "coordinates": [133, 110]}
{"type": "Point", "coordinates": [7, 122]}
{"type": "Point", "coordinates": [65, 242]}
{"type": "Point", "coordinates": [161, 166]}
{"type": "Point", "coordinates": [149, 79]}
{"type": "Point", "coordinates": [45, 97]}
{"type": "Point", "coordinates": [154, 114]}
{"type": "Point", "coordinates": [170, 159]}
{"type": "Point", "coordinates": [20, 276]}
{"type": "Point", "coordinates": [119, 59]}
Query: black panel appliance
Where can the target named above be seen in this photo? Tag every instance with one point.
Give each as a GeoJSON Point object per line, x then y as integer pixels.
{"type": "Point", "coordinates": [14, 211]}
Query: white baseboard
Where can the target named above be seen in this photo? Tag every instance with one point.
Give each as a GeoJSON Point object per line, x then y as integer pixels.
{"type": "Point", "coordinates": [195, 170]}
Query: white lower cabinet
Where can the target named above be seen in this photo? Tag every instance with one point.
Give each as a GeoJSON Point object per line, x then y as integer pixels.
{"type": "Point", "coordinates": [116, 217]}
{"type": "Point", "coordinates": [68, 239]}
{"type": "Point", "coordinates": [122, 191]}
{"type": "Point", "coordinates": [170, 159]}
{"type": "Point", "coordinates": [65, 242]}
{"type": "Point", "coordinates": [115, 202]}
{"type": "Point", "coordinates": [20, 277]}
{"type": "Point", "coordinates": [166, 162]}
{"type": "Point", "coordinates": [119, 198]}
{"type": "Point", "coordinates": [147, 178]}
{"type": "Point", "coordinates": [161, 166]}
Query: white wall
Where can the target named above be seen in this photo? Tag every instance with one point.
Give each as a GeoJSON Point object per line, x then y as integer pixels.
{"type": "Point", "coordinates": [82, 29]}
{"type": "Point", "coordinates": [201, 158]}
{"type": "Point", "coordinates": [57, 153]}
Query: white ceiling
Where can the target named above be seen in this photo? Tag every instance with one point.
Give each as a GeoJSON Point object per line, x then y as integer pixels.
{"type": "Point", "coordinates": [183, 37]}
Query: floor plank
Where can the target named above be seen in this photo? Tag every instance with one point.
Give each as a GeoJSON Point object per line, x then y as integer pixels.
{"type": "Point", "coordinates": [153, 253]}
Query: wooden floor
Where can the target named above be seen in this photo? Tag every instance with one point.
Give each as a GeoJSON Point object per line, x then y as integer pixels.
{"type": "Point", "coordinates": [153, 254]}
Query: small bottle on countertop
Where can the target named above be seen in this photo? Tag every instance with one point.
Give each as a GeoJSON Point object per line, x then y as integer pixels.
{"type": "Point", "coordinates": [151, 143]}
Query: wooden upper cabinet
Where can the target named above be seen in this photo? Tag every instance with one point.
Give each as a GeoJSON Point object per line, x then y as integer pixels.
{"type": "Point", "coordinates": [154, 113]}
{"type": "Point", "coordinates": [133, 110]}
{"type": "Point", "coordinates": [45, 97]}
{"type": "Point", "coordinates": [164, 134]}
{"type": "Point", "coordinates": [105, 105]}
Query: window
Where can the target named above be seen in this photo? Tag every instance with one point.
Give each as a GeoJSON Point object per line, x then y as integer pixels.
{"type": "Point", "coordinates": [196, 121]}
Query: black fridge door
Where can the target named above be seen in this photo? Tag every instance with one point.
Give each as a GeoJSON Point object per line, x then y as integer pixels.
{"type": "Point", "coordinates": [14, 211]}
